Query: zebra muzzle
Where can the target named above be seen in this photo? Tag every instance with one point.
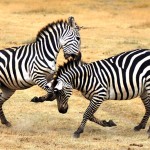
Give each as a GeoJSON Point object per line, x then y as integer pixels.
{"type": "Point", "coordinates": [63, 110]}
{"type": "Point", "coordinates": [67, 56]}
{"type": "Point", "coordinates": [76, 57]}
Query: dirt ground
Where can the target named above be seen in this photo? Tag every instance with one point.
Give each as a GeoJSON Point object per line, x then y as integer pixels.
{"type": "Point", "coordinates": [110, 27]}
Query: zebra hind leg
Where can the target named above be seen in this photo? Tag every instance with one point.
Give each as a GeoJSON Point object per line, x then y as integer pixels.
{"type": "Point", "coordinates": [103, 123]}
{"type": "Point", "coordinates": [5, 95]}
{"type": "Point", "coordinates": [146, 100]}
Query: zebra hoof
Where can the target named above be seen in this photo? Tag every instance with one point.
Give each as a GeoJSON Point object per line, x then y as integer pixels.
{"type": "Point", "coordinates": [111, 123]}
{"type": "Point", "coordinates": [104, 123]}
{"type": "Point", "coordinates": [76, 135]}
{"type": "Point", "coordinates": [138, 128]}
{"type": "Point", "coordinates": [36, 99]}
{"type": "Point", "coordinates": [8, 124]}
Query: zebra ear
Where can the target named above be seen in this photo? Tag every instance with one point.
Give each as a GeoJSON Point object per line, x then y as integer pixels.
{"type": "Point", "coordinates": [59, 86]}
{"type": "Point", "coordinates": [50, 83]}
{"type": "Point", "coordinates": [71, 22]}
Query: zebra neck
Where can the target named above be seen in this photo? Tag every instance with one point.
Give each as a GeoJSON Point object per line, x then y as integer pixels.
{"type": "Point", "coordinates": [47, 50]}
{"type": "Point", "coordinates": [77, 79]}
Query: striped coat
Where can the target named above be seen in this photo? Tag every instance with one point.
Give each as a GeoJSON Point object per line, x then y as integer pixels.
{"type": "Point", "coordinates": [34, 64]}
{"type": "Point", "coordinates": [121, 77]}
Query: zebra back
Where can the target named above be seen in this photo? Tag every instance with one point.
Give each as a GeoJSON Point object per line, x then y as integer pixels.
{"type": "Point", "coordinates": [122, 76]}
{"type": "Point", "coordinates": [27, 65]}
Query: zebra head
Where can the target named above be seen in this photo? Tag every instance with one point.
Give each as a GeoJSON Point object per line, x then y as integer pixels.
{"type": "Point", "coordinates": [63, 83]}
{"type": "Point", "coordinates": [70, 40]}
{"type": "Point", "coordinates": [62, 91]}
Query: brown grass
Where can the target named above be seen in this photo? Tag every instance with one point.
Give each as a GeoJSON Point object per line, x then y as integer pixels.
{"type": "Point", "coordinates": [111, 27]}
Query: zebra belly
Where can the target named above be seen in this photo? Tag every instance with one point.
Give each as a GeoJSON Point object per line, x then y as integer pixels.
{"type": "Point", "coordinates": [124, 94]}
{"type": "Point", "coordinates": [127, 85]}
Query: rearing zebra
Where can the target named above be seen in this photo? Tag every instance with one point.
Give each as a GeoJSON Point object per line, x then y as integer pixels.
{"type": "Point", "coordinates": [34, 64]}
{"type": "Point", "coordinates": [121, 77]}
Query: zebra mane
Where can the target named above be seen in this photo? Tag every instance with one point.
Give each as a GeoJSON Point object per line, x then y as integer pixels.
{"type": "Point", "coordinates": [50, 25]}
{"type": "Point", "coordinates": [70, 64]}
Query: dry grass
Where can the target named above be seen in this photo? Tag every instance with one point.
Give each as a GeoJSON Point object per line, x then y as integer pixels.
{"type": "Point", "coordinates": [110, 28]}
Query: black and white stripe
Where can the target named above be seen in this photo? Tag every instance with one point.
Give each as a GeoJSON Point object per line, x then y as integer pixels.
{"type": "Point", "coordinates": [34, 64]}
{"type": "Point", "coordinates": [121, 77]}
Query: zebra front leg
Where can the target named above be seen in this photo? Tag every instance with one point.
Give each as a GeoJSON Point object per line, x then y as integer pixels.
{"type": "Point", "coordinates": [92, 108]}
{"type": "Point", "coordinates": [39, 99]}
{"type": "Point", "coordinates": [41, 81]}
{"type": "Point", "coordinates": [142, 124]}
{"type": "Point", "coordinates": [103, 123]}
{"type": "Point", "coordinates": [6, 94]}
{"type": "Point", "coordinates": [47, 97]}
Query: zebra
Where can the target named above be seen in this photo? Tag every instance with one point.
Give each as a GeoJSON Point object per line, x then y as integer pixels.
{"type": "Point", "coordinates": [34, 64]}
{"type": "Point", "coordinates": [121, 77]}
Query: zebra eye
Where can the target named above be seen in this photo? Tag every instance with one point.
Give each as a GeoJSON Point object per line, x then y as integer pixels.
{"type": "Point", "coordinates": [78, 38]}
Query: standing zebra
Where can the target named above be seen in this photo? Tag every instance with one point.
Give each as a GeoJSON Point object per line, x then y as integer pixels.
{"type": "Point", "coordinates": [34, 64]}
{"type": "Point", "coordinates": [121, 77]}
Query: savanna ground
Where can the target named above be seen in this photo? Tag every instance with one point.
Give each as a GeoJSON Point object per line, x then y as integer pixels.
{"type": "Point", "coordinates": [110, 27]}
